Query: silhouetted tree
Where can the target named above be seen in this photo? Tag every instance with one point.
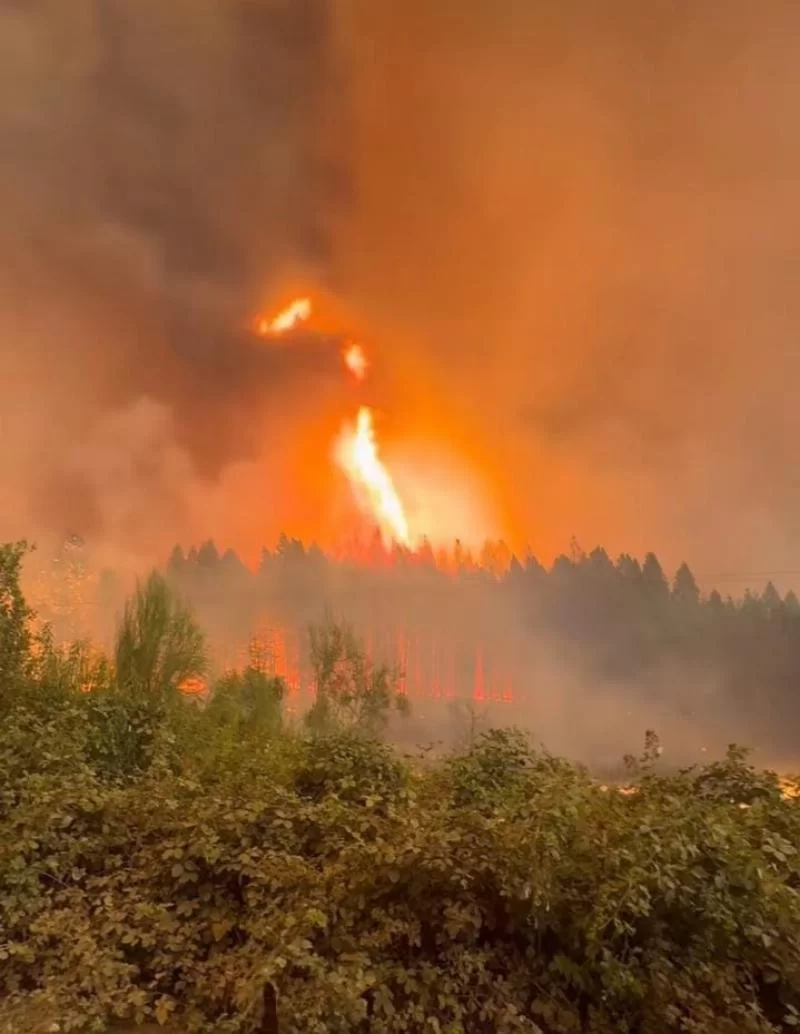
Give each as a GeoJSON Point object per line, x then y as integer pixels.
{"type": "Point", "coordinates": [176, 565]}
{"type": "Point", "coordinates": [425, 555]}
{"type": "Point", "coordinates": [534, 570]}
{"type": "Point", "coordinates": [516, 571]}
{"type": "Point", "coordinates": [654, 581]}
{"type": "Point", "coordinates": [629, 568]}
{"type": "Point", "coordinates": [208, 557]}
{"type": "Point", "coordinates": [264, 562]}
{"type": "Point", "coordinates": [684, 589]}
{"type": "Point", "coordinates": [230, 562]}
{"type": "Point", "coordinates": [715, 604]}
{"type": "Point", "coordinates": [771, 600]}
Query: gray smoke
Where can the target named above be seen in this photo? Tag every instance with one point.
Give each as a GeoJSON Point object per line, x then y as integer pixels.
{"type": "Point", "coordinates": [163, 164]}
{"type": "Point", "coordinates": [574, 223]}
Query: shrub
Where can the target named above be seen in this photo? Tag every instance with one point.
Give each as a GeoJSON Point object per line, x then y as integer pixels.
{"type": "Point", "coordinates": [15, 616]}
{"type": "Point", "coordinates": [351, 692]}
{"type": "Point", "coordinates": [159, 646]}
{"type": "Point", "coordinates": [165, 862]}
{"type": "Point", "coordinates": [248, 703]}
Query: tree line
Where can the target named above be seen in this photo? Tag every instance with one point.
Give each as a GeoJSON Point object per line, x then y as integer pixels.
{"type": "Point", "coordinates": [207, 864]}
{"type": "Point", "coordinates": [625, 623]}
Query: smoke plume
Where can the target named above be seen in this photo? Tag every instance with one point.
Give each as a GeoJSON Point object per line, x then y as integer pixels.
{"type": "Point", "coordinates": [165, 167]}
{"type": "Point", "coordinates": [581, 221]}
{"type": "Point", "coordinates": [572, 229]}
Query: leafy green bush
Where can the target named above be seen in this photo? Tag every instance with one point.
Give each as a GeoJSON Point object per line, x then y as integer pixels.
{"type": "Point", "coordinates": [164, 861]}
{"type": "Point", "coordinates": [564, 908]}
{"type": "Point", "coordinates": [15, 615]}
{"type": "Point", "coordinates": [351, 692]}
{"type": "Point", "coordinates": [348, 767]}
{"type": "Point", "coordinates": [159, 646]}
{"type": "Point", "coordinates": [248, 703]}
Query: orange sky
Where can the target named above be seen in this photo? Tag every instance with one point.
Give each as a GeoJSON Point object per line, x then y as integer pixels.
{"type": "Point", "coordinates": [566, 235]}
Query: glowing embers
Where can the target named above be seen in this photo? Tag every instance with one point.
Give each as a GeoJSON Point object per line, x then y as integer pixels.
{"type": "Point", "coordinates": [296, 313]}
{"type": "Point", "coordinates": [355, 359]}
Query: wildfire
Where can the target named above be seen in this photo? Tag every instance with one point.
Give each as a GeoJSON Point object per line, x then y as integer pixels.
{"type": "Point", "coordinates": [292, 316]}
{"type": "Point", "coordinates": [356, 448]}
{"type": "Point", "coordinates": [356, 361]}
{"type": "Point", "coordinates": [357, 453]}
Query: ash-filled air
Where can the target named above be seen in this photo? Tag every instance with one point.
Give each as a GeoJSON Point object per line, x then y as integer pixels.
{"type": "Point", "coordinates": [571, 231]}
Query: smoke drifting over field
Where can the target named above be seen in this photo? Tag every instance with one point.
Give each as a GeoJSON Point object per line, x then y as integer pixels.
{"type": "Point", "coordinates": [572, 231]}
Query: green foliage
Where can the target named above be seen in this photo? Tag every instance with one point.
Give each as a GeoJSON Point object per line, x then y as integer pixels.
{"type": "Point", "coordinates": [164, 862]}
{"type": "Point", "coordinates": [349, 768]}
{"type": "Point", "coordinates": [737, 782]}
{"type": "Point", "coordinates": [240, 720]}
{"type": "Point", "coordinates": [159, 646]}
{"type": "Point", "coordinates": [351, 692]}
{"type": "Point", "coordinates": [15, 615]}
{"type": "Point", "coordinates": [249, 702]}
{"type": "Point", "coordinates": [504, 891]}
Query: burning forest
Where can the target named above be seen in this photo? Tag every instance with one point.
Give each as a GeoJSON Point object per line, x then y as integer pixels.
{"type": "Point", "coordinates": [582, 653]}
{"type": "Point", "coordinates": [356, 449]}
{"type": "Point", "coordinates": [333, 336]}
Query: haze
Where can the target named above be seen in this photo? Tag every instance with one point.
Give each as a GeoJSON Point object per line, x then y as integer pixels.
{"type": "Point", "coordinates": [571, 234]}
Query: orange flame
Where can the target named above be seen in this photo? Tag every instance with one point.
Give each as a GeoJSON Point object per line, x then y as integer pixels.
{"type": "Point", "coordinates": [356, 449]}
{"type": "Point", "coordinates": [292, 316]}
{"type": "Point", "coordinates": [356, 452]}
{"type": "Point", "coordinates": [355, 360]}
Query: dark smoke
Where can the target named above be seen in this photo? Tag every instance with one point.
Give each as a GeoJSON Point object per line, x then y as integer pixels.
{"type": "Point", "coordinates": [164, 166]}
{"type": "Point", "coordinates": [575, 224]}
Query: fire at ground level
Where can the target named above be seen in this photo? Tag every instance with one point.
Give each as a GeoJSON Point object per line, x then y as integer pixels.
{"type": "Point", "coordinates": [585, 656]}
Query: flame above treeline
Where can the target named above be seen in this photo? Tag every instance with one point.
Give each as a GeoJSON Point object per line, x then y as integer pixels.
{"type": "Point", "coordinates": [356, 450]}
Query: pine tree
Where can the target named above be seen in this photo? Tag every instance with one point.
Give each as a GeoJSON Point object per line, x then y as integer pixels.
{"type": "Point", "coordinates": [654, 581]}
{"type": "Point", "coordinates": [715, 604]}
{"type": "Point", "coordinates": [208, 556]}
{"type": "Point", "coordinates": [177, 561]}
{"type": "Point", "coordinates": [771, 599]}
{"type": "Point", "coordinates": [684, 588]}
{"type": "Point", "coordinates": [629, 567]}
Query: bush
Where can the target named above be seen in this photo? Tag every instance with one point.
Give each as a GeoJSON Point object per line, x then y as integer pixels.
{"type": "Point", "coordinates": [159, 646]}
{"type": "Point", "coordinates": [351, 693]}
{"type": "Point", "coordinates": [15, 616]}
{"type": "Point", "coordinates": [161, 861]}
{"type": "Point", "coordinates": [349, 768]}
{"type": "Point", "coordinates": [248, 703]}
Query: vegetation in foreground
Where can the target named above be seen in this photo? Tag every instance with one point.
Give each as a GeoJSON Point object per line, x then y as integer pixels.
{"type": "Point", "coordinates": [165, 860]}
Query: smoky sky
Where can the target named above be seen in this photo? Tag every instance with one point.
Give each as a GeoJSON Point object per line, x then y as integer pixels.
{"type": "Point", "coordinates": [590, 214]}
{"type": "Point", "coordinates": [161, 167]}
{"type": "Point", "coordinates": [577, 224]}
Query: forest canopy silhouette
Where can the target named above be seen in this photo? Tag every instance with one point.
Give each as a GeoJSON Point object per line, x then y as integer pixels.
{"type": "Point", "coordinates": [585, 653]}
